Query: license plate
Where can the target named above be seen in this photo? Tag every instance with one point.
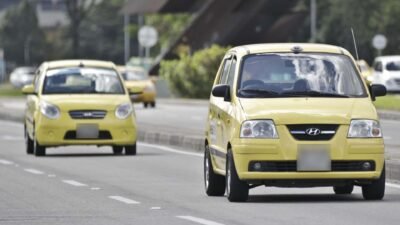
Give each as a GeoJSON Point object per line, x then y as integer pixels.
{"type": "Point", "coordinates": [87, 131]}
{"type": "Point", "coordinates": [315, 158]}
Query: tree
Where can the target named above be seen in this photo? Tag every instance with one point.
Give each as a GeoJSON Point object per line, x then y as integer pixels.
{"type": "Point", "coordinates": [20, 36]}
{"type": "Point", "coordinates": [77, 12]}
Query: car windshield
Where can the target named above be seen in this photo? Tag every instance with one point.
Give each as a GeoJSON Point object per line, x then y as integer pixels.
{"type": "Point", "coordinates": [131, 75]}
{"type": "Point", "coordinates": [299, 75]}
{"type": "Point", "coordinates": [82, 81]}
{"type": "Point", "coordinates": [393, 66]}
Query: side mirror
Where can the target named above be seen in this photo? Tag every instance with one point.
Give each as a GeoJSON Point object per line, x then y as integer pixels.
{"type": "Point", "coordinates": [377, 90]}
{"type": "Point", "coordinates": [28, 89]}
{"type": "Point", "coordinates": [222, 90]}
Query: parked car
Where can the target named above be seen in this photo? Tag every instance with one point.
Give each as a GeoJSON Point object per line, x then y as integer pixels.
{"type": "Point", "coordinates": [292, 115]}
{"type": "Point", "coordinates": [137, 80]}
{"type": "Point", "coordinates": [387, 72]}
{"type": "Point", "coordinates": [79, 102]}
{"type": "Point", "coordinates": [365, 69]}
{"type": "Point", "coordinates": [22, 76]}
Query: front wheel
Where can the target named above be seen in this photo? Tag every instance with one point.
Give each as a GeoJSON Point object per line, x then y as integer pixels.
{"type": "Point", "coordinates": [130, 149]}
{"type": "Point", "coordinates": [214, 183]}
{"type": "Point", "coordinates": [376, 189]}
{"type": "Point", "coordinates": [237, 190]}
{"type": "Point", "coordinates": [39, 150]}
{"type": "Point", "coordinates": [29, 145]}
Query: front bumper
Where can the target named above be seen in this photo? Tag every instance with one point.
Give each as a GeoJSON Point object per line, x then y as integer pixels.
{"type": "Point", "coordinates": [56, 132]}
{"type": "Point", "coordinates": [285, 149]}
{"type": "Point", "coordinates": [144, 97]}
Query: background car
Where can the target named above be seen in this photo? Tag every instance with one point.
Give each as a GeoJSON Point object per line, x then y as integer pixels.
{"type": "Point", "coordinates": [137, 80]}
{"type": "Point", "coordinates": [366, 70]}
{"type": "Point", "coordinates": [79, 102]}
{"type": "Point", "coordinates": [387, 72]}
{"type": "Point", "coordinates": [22, 76]}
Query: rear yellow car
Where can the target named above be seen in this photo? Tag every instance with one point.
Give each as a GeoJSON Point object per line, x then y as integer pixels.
{"type": "Point", "coordinates": [138, 81]}
{"type": "Point", "coordinates": [292, 115]}
{"type": "Point", "coordinates": [78, 102]}
{"type": "Point", "coordinates": [366, 70]}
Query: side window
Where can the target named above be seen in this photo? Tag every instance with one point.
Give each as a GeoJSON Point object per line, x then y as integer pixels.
{"type": "Point", "coordinates": [378, 66]}
{"type": "Point", "coordinates": [37, 79]}
{"type": "Point", "coordinates": [225, 71]}
{"type": "Point", "coordinates": [231, 75]}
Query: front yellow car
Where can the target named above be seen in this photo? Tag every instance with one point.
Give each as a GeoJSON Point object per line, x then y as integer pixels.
{"type": "Point", "coordinates": [292, 115]}
{"type": "Point", "coordinates": [79, 102]}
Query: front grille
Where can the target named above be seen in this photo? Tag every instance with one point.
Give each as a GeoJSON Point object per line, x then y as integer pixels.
{"type": "Point", "coordinates": [301, 131]}
{"type": "Point", "coordinates": [87, 114]}
{"type": "Point", "coordinates": [291, 166]}
{"type": "Point", "coordinates": [103, 135]}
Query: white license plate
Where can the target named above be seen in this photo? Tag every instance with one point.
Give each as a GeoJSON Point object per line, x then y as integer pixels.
{"type": "Point", "coordinates": [87, 131]}
{"type": "Point", "coordinates": [313, 159]}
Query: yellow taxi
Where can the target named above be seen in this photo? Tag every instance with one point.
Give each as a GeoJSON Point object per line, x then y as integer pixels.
{"type": "Point", "coordinates": [365, 70]}
{"type": "Point", "coordinates": [78, 102]}
{"type": "Point", "coordinates": [137, 80]}
{"type": "Point", "coordinates": [292, 115]}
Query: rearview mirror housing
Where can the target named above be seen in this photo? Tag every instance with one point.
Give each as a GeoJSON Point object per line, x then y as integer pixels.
{"type": "Point", "coordinates": [377, 90]}
{"type": "Point", "coordinates": [222, 90]}
{"type": "Point", "coordinates": [28, 89]}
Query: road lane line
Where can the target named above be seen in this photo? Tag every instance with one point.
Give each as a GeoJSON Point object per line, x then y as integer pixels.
{"type": "Point", "coordinates": [168, 149]}
{"type": "Point", "coordinates": [95, 188]}
{"type": "Point", "coordinates": [393, 185]}
{"type": "Point", "coordinates": [6, 162]}
{"type": "Point", "coordinates": [155, 208]}
{"type": "Point", "coordinates": [199, 220]}
{"type": "Point", "coordinates": [387, 138]}
{"type": "Point", "coordinates": [74, 183]}
{"type": "Point", "coordinates": [34, 171]}
{"type": "Point", "coordinates": [123, 199]}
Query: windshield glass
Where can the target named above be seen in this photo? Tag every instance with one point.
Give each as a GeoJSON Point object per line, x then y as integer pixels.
{"type": "Point", "coordinates": [134, 75]}
{"type": "Point", "coordinates": [82, 81]}
{"type": "Point", "coordinates": [299, 75]}
{"type": "Point", "coordinates": [393, 66]}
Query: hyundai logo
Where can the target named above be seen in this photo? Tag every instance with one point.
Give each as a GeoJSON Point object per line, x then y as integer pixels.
{"type": "Point", "coordinates": [87, 114]}
{"type": "Point", "coordinates": [313, 131]}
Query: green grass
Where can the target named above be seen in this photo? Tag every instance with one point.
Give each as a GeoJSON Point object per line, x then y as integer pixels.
{"type": "Point", "coordinates": [388, 102]}
{"type": "Point", "coordinates": [7, 90]}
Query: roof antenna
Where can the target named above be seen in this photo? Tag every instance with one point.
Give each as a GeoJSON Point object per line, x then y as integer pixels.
{"type": "Point", "coordinates": [355, 43]}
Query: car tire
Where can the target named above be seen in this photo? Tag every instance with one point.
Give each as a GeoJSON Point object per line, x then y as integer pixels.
{"type": "Point", "coordinates": [214, 183]}
{"type": "Point", "coordinates": [145, 104]}
{"type": "Point", "coordinates": [376, 189]}
{"type": "Point", "coordinates": [343, 190]}
{"type": "Point", "coordinates": [29, 145]}
{"type": "Point", "coordinates": [130, 149]}
{"type": "Point", "coordinates": [236, 190]}
{"type": "Point", "coordinates": [153, 104]}
{"type": "Point", "coordinates": [117, 150]}
{"type": "Point", "coordinates": [39, 150]}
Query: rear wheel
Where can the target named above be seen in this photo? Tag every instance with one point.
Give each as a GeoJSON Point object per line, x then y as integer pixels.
{"type": "Point", "coordinates": [214, 183]}
{"type": "Point", "coordinates": [343, 190]}
{"type": "Point", "coordinates": [145, 104]}
{"type": "Point", "coordinates": [130, 149]}
{"type": "Point", "coordinates": [237, 190]}
{"type": "Point", "coordinates": [29, 145]}
{"type": "Point", "coordinates": [117, 150]}
{"type": "Point", "coordinates": [376, 189]}
{"type": "Point", "coordinates": [153, 104]}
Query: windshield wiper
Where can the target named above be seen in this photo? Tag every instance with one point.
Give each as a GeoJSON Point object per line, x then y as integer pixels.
{"type": "Point", "coordinates": [257, 92]}
{"type": "Point", "coordinates": [315, 94]}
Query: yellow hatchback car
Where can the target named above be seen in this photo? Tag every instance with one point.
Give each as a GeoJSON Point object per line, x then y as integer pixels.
{"type": "Point", "coordinates": [138, 81]}
{"type": "Point", "coordinates": [79, 102]}
{"type": "Point", "coordinates": [292, 115]}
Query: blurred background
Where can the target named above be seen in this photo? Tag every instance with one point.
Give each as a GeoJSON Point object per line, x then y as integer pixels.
{"type": "Point", "coordinates": [191, 36]}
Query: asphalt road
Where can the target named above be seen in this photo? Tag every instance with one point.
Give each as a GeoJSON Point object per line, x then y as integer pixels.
{"type": "Point", "coordinates": [161, 185]}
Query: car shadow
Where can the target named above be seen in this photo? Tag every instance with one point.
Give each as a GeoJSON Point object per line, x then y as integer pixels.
{"type": "Point", "coordinates": [66, 155]}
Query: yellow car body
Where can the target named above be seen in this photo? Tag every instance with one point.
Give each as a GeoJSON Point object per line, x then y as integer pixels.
{"type": "Point", "coordinates": [137, 81]}
{"type": "Point", "coordinates": [278, 157]}
{"type": "Point", "coordinates": [366, 70]}
{"type": "Point", "coordinates": [78, 113]}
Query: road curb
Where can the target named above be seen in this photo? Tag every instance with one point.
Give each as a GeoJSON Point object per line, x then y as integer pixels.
{"type": "Point", "coordinates": [389, 115]}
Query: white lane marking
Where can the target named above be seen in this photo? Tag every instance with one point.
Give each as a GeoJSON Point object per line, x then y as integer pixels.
{"type": "Point", "coordinates": [34, 171]}
{"type": "Point", "coordinates": [393, 185]}
{"type": "Point", "coordinates": [155, 208]}
{"type": "Point", "coordinates": [74, 183]}
{"type": "Point", "coordinates": [51, 175]}
{"type": "Point", "coordinates": [168, 149]}
{"type": "Point", "coordinates": [6, 162]}
{"type": "Point", "coordinates": [10, 123]}
{"type": "Point", "coordinates": [95, 188]}
{"type": "Point", "coordinates": [10, 138]}
{"type": "Point", "coordinates": [387, 138]}
{"type": "Point", "coordinates": [199, 220]}
{"type": "Point", "coordinates": [123, 199]}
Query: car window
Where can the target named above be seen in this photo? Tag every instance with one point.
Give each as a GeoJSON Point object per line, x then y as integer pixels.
{"type": "Point", "coordinates": [132, 75]}
{"type": "Point", "coordinates": [37, 79]}
{"type": "Point", "coordinates": [378, 66]}
{"type": "Point", "coordinates": [288, 74]}
{"type": "Point", "coordinates": [225, 71]}
{"type": "Point", "coordinates": [393, 66]}
{"type": "Point", "coordinates": [231, 75]}
{"type": "Point", "coordinates": [82, 81]}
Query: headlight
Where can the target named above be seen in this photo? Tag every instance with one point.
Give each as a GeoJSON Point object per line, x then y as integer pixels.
{"type": "Point", "coordinates": [123, 110]}
{"type": "Point", "coordinates": [258, 129]}
{"type": "Point", "coordinates": [49, 110]}
{"type": "Point", "coordinates": [364, 129]}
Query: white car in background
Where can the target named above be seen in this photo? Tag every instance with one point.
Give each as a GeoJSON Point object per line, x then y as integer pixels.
{"type": "Point", "coordinates": [387, 72]}
{"type": "Point", "coordinates": [22, 76]}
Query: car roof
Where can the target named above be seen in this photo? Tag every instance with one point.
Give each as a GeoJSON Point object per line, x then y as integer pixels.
{"type": "Point", "coordinates": [388, 58]}
{"type": "Point", "coordinates": [79, 63]}
{"type": "Point", "coordinates": [288, 47]}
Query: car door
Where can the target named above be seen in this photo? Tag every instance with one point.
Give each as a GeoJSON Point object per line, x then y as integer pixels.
{"type": "Point", "coordinates": [216, 130]}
